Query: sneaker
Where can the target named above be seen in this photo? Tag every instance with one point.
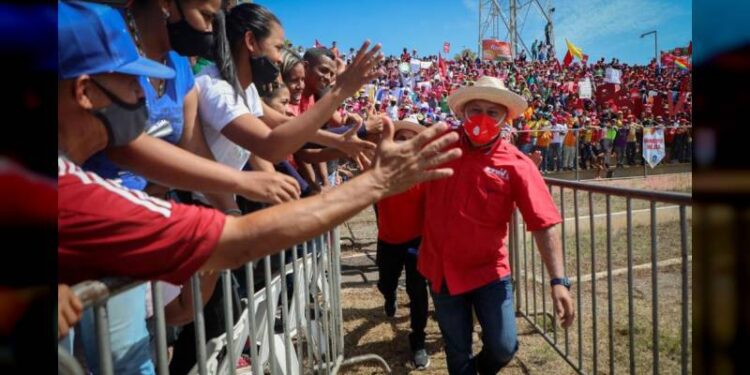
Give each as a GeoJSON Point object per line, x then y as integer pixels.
{"type": "Point", "coordinates": [390, 307]}
{"type": "Point", "coordinates": [421, 360]}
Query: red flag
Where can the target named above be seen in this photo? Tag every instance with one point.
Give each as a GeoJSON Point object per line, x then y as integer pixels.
{"type": "Point", "coordinates": [690, 48]}
{"type": "Point", "coordinates": [446, 47]}
{"type": "Point", "coordinates": [667, 58]}
{"type": "Point", "coordinates": [441, 65]}
{"type": "Point", "coordinates": [568, 59]}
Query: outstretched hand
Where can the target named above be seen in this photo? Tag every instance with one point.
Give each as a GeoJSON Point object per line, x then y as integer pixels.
{"type": "Point", "coordinates": [398, 166]}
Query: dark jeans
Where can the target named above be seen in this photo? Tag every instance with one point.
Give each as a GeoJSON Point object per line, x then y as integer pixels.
{"type": "Point", "coordinates": [493, 305]}
{"type": "Point", "coordinates": [554, 157]}
{"type": "Point", "coordinates": [526, 148]}
{"type": "Point", "coordinates": [587, 154]}
{"type": "Point", "coordinates": [680, 145]}
{"type": "Point", "coordinates": [630, 151]}
{"type": "Point", "coordinates": [620, 151]}
{"type": "Point", "coordinates": [391, 260]}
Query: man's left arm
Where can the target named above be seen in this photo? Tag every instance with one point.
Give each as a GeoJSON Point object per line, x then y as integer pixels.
{"type": "Point", "coordinates": [542, 217]}
{"type": "Point", "coordinates": [548, 242]}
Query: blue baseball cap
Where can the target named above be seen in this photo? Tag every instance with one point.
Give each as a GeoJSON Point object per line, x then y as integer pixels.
{"type": "Point", "coordinates": [93, 39]}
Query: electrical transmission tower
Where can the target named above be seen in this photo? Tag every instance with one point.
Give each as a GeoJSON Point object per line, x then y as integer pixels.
{"type": "Point", "coordinates": [503, 15]}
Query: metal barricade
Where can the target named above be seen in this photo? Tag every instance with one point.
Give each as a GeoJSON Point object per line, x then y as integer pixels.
{"type": "Point", "coordinates": [630, 317]}
{"type": "Point", "coordinates": [571, 159]}
{"type": "Point", "coordinates": [306, 289]}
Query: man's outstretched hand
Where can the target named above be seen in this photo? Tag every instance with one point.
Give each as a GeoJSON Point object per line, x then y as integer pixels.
{"type": "Point", "coordinates": [398, 166]}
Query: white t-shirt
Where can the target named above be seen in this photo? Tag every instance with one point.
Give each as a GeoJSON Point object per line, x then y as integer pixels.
{"type": "Point", "coordinates": [218, 106]}
{"type": "Point", "coordinates": [558, 132]}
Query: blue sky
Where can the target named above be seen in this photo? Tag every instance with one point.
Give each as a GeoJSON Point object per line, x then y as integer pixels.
{"type": "Point", "coordinates": [601, 28]}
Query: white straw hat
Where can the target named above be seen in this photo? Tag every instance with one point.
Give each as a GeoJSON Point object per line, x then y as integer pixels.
{"type": "Point", "coordinates": [492, 90]}
{"type": "Point", "coordinates": [406, 124]}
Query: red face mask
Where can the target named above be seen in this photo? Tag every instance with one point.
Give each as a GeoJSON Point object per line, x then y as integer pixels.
{"type": "Point", "coordinates": [481, 129]}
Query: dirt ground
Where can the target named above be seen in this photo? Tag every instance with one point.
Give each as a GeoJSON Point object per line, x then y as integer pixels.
{"type": "Point", "coordinates": [369, 331]}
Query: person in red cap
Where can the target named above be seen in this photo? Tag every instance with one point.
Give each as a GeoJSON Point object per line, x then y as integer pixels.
{"type": "Point", "coordinates": [400, 220]}
{"type": "Point", "coordinates": [463, 255]}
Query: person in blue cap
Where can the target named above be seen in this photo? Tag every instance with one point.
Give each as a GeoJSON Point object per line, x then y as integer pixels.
{"type": "Point", "coordinates": [106, 230]}
{"type": "Point", "coordinates": [113, 60]}
{"type": "Point", "coordinates": [166, 151]}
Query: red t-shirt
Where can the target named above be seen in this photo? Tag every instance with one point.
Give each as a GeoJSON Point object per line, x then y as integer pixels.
{"type": "Point", "coordinates": [467, 215]}
{"type": "Point", "coordinates": [400, 217]}
{"type": "Point", "coordinates": [596, 135]}
{"type": "Point", "coordinates": [305, 103]}
{"type": "Point", "coordinates": [525, 136]}
{"type": "Point", "coordinates": [105, 230]}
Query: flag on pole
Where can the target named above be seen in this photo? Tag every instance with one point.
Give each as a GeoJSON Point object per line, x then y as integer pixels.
{"type": "Point", "coordinates": [682, 63]}
{"type": "Point", "coordinates": [446, 47]}
{"type": "Point", "coordinates": [441, 65]}
{"type": "Point", "coordinates": [568, 59]}
{"type": "Point", "coordinates": [573, 51]}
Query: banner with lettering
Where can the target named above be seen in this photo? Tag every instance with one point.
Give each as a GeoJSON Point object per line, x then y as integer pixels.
{"type": "Point", "coordinates": [653, 146]}
{"type": "Point", "coordinates": [493, 49]}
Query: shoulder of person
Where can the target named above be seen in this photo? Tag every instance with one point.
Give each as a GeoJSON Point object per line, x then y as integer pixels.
{"type": "Point", "coordinates": [212, 84]}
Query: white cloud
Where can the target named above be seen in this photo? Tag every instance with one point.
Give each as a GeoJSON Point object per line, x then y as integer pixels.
{"type": "Point", "coordinates": [471, 5]}
{"type": "Point", "coordinates": [585, 21]}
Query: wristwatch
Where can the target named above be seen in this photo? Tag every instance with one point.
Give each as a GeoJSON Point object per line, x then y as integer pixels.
{"type": "Point", "coordinates": [564, 281]}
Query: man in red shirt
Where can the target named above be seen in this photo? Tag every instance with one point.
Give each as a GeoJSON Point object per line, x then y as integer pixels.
{"type": "Point", "coordinates": [399, 235]}
{"type": "Point", "coordinates": [107, 230]}
{"type": "Point", "coordinates": [463, 253]}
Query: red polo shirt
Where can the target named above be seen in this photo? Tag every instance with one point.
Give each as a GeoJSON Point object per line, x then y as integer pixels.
{"type": "Point", "coordinates": [107, 230]}
{"type": "Point", "coordinates": [467, 215]}
{"type": "Point", "coordinates": [400, 217]}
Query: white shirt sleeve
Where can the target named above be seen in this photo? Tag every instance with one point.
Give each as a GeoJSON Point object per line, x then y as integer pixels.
{"type": "Point", "coordinates": [254, 101]}
{"type": "Point", "coordinates": [218, 104]}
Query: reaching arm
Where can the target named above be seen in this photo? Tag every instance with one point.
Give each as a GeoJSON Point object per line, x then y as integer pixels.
{"type": "Point", "coordinates": [395, 168]}
{"type": "Point", "coordinates": [318, 155]}
{"type": "Point", "coordinates": [288, 137]}
{"type": "Point", "coordinates": [193, 139]}
{"type": "Point", "coordinates": [171, 166]}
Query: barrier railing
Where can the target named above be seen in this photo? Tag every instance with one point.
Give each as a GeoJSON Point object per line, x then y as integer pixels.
{"type": "Point", "coordinates": [311, 318]}
{"type": "Point", "coordinates": [559, 158]}
{"type": "Point", "coordinates": [618, 329]}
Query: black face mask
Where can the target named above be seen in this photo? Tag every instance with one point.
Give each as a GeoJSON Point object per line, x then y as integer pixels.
{"type": "Point", "coordinates": [264, 70]}
{"type": "Point", "coordinates": [124, 122]}
{"type": "Point", "coordinates": [186, 40]}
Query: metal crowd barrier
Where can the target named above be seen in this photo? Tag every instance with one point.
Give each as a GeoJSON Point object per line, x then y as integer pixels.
{"type": "Point", "coordinates": [313, 335]}
{"type": "Point", "coordinates": [578, 157]}
{"type": "Point", "coordinates": [611, 339]}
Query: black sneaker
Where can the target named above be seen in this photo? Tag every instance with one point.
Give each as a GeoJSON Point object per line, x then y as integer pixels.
{"type": "Point", "coordinates": [421, 360]}
{"type": "Point", "coordinates": [390, 307]}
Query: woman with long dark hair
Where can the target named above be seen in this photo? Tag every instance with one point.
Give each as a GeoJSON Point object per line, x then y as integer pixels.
{"type": "Point", "coordinates": [247, 50]}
